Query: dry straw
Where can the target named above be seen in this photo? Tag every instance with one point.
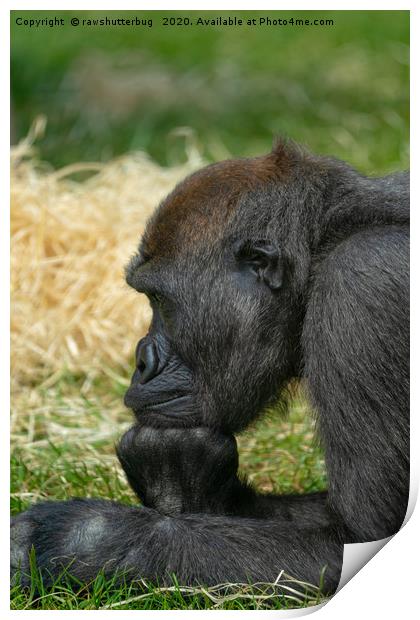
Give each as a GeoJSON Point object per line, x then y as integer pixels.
{"type": "Point", "coordinates": [71, 309]}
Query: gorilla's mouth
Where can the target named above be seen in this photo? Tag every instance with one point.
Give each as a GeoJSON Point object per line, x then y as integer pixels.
{"type": "Point", "coordinates": [162, 403]}
{"type": "Point", "coordinates": [175, 404]}
{"type": "Point", "coordinates": [163, 391]}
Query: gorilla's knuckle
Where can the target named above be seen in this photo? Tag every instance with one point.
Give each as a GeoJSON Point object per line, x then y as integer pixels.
{"type": "Point", "coordinates": [22, 529]}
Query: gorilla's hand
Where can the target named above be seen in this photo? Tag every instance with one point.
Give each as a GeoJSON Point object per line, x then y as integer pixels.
{"type": "Point", "coordinates": [175, 470]}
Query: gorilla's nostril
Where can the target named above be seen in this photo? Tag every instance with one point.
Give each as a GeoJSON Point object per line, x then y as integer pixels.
{"type": "Point", "coordinates": [147, 361]}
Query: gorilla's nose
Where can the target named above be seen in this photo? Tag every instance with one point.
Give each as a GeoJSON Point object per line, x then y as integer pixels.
{"type": "Point", "coordinates": [147, 360]}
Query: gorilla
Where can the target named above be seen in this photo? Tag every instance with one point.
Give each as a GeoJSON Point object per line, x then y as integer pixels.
{"type": "Point", "coordinates": [258, 271]}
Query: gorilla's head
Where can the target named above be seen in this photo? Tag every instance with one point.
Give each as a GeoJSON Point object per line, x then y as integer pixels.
{"type": "Point", "coordinates": [224, 262]}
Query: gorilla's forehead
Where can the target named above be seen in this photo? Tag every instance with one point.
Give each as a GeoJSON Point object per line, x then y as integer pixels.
{"type": "Point", "coordinates": [200, 208]}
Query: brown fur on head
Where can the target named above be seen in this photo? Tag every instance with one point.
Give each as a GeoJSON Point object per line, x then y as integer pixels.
{"type": "Point", "coordinates": [200, 208]}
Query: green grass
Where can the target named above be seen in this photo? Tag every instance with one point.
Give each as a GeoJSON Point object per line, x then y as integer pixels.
{"type": "Point", "coordinates": [63, 446]}
{"type": "Point", "coordinates": [107, 594]}
{"type": "Point", "coordinates": [68, 593]}
{"type": "Point", "coordinates": [343, 89]}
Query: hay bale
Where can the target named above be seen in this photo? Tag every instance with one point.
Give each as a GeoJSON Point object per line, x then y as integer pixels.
{"type": "Point", "coordinates": [71, 309]}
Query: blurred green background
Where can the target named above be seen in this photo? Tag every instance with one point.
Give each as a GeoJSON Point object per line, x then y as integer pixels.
{"type": "Point", "coordinates": [340, 89]}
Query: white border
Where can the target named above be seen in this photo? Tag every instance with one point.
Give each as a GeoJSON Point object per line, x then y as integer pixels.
{"type": "Point", "coordinates": [387, 586]}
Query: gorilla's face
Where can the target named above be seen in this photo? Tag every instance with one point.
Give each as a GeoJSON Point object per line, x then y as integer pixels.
{"type": "Point", "coordinates": [223, 336]}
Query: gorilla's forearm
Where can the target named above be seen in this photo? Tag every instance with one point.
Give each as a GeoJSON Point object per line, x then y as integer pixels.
{"type": "Point", "coordinates": [87, 536]}
{"type": "Point", "coordinates": [307, 510]}
{"type": "Point", "coordinates": [195, 470]}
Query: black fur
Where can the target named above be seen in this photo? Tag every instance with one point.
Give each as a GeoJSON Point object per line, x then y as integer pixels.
{"type": "Point", "coordinates": [258, 271]}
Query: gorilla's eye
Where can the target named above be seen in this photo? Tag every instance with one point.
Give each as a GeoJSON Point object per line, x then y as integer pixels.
{"type": "Point", "coordinates": [156, 299]}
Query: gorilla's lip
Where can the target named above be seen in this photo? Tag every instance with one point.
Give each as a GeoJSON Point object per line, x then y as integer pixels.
{"type": "Point", "coordinates": [160, 403]}
{"type": "Point", "coordinates": [146, 403]}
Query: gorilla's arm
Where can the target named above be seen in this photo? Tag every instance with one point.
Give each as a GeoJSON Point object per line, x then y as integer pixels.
{"type": "Point", "coordinates": [195, 470]}
{"type": "Point", "coordinates": [87, 536]}
{"type": "Point", "coordinates": [200, 521]}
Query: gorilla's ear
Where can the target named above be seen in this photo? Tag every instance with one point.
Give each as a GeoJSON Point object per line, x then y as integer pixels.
{"type": "Point", "coordinates": [262, 259]}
